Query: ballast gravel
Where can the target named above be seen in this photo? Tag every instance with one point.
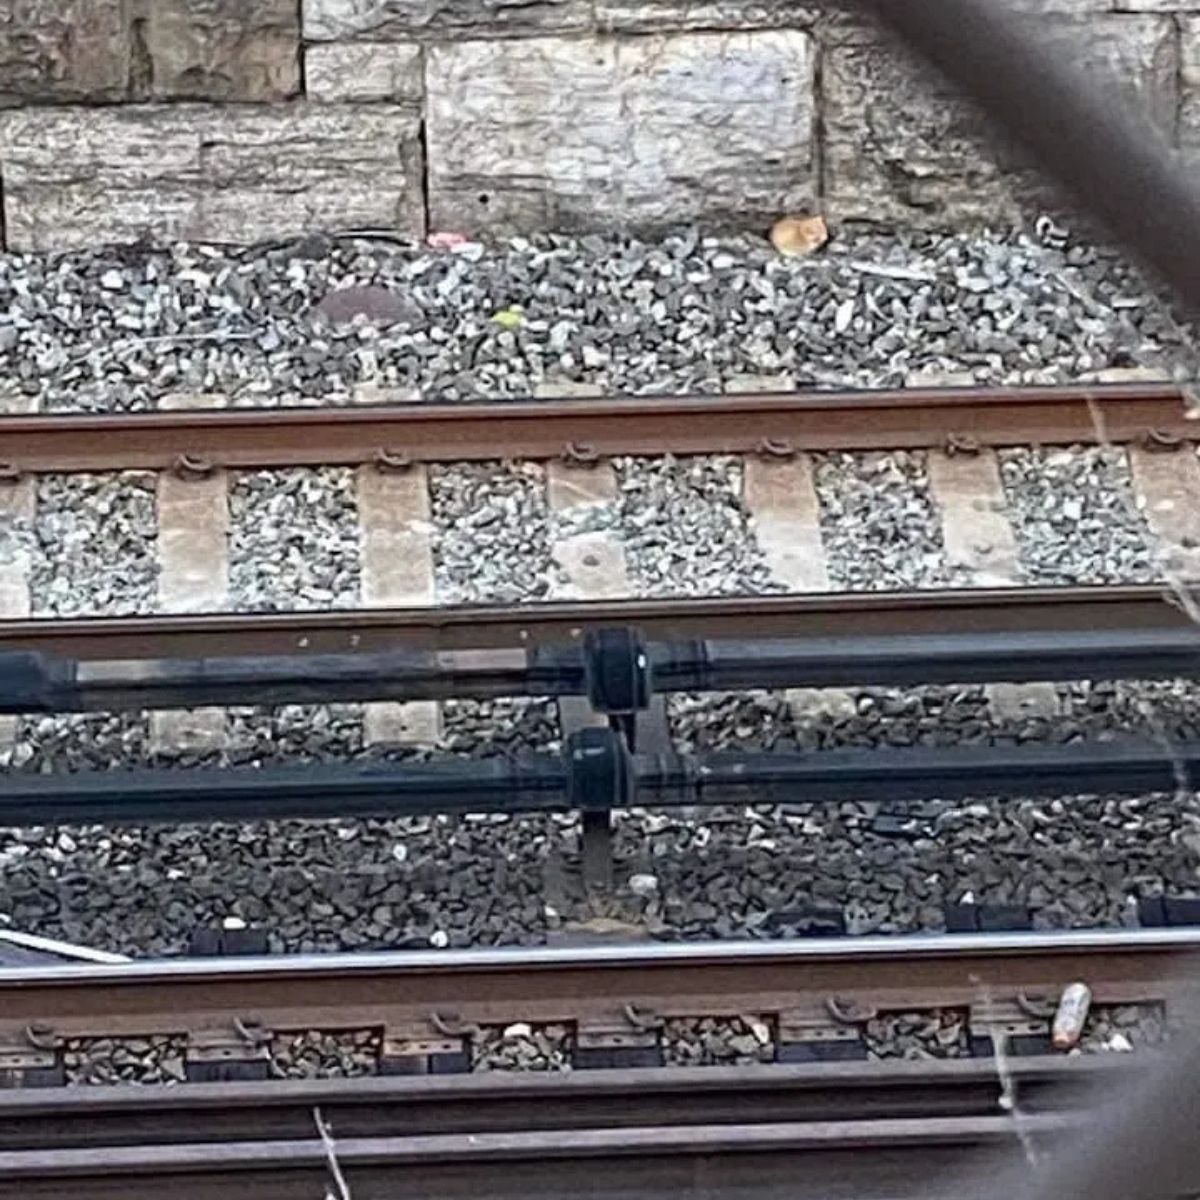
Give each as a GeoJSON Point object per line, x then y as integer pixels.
{"type": "Point", "coordinates": [685, 529]}
{"type": "Point", "coordinates": [121, 328]}
{"type": "Point", "coordinates": [879, 525]}
{"type": "Point", "coordinates": [91, 547]}
{"type": "Point", "coordinates": [490, 542]}
{"type": "Point", "coordinates": [293, 540]}
{"type": "Point", "coordinates": [1075, 517]}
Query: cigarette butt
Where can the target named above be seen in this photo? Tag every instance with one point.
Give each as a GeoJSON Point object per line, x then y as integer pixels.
{"type": "Point", "coordinates": [1073, 1007]}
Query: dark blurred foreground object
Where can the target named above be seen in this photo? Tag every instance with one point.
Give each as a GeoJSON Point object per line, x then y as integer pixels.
{"type": "Point", "coordinates": [1079, 129]}
{"type": "Point", "coordinates": [1116, 166]}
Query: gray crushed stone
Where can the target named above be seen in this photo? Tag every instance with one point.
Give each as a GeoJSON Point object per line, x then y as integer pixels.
{"type": "Point", "coordinates": [92, 546]}
{"type": "Point", "coordinates": [1120, 1028]}
{"type": "Point", "coordinates": [318, 1054]}
{"type": "Point", "coordinates": [887, 868]}
{"type": "Point", "coordinates": [939, 715]}
{"type": "Point", "coordinates": [314, 885]}
{"type": "Point", "coordinates": [879, 525]}
{"type": "Point", "coordinates": [685, 529]}
{"type": "Point", "coordinates": [938, 1033]}
{"type": "Point", "coordinates": [78, 742]}
{"type": "Point", "coordinates": [293, 540]}
{"type": "Point", "coordinates": [1075, 517]}
{"type": "Point", "coordinates": [291, 733]}
{"type": "Point", "coordinates": [716, 1041]}
{"type": "Point", "coordinates": [491, 539]}
{"type": "Point", "coordinates": [98, 1061]}
{"type": "Point", "coordinates": [119, 328]}
{"type": "Point", "coordinates": [521, 1047]}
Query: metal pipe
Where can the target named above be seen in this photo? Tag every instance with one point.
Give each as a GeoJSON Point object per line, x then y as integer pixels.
{"type": "Point", "coordinates": [1078, 128]}
{"type": "Point", "coordinates": [538, 783]}
{"type": "Point", "coordinates": [43, 683]}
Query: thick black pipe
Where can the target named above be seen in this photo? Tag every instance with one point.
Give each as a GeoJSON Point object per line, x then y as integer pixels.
{"type": "Point", "coordinates": [363, 789]}
{"type": "Point", "coordinates": [1078, 128]}
{"type": "Point", "coordinates": [925, 773]}
{"type": "Point", "coordinates": [30, 683]}
{"type": "Point", "coordinates": [538, 783]}
{"type": "Point", "coordinates": [915, 660]}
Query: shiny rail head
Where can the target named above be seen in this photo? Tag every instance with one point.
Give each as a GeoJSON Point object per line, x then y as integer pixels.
{"type": "Point", "coordinates": [547, 958]}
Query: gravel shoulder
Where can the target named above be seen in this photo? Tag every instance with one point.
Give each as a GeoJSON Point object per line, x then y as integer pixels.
{"type": "Point", "coordinates": [121, 328]}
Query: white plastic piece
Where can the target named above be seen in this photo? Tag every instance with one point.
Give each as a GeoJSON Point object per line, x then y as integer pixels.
{"type": "Point", "coordinates": [1073, 1008]}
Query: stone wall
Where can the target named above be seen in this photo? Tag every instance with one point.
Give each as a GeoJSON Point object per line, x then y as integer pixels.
{"type": "Point", "coordinates": [235, 120]}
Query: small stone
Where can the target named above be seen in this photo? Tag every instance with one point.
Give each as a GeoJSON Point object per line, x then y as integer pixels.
{"type": "Point", "coordinates": [643, 885]}
{"type": "Point", "coordinates": [112, 281]}
{"type": "Point", "coordinates": [373, 305]}
{"type": "Point", "coordinates": [798, 237]}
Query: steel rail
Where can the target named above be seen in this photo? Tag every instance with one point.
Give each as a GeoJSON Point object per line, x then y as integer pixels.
{"type": "Point", "coordinates": [545, 783]}
{"type": "Point", "coordinates": [564, 984]}
{"type": "Point", "coordinates": [810, 1160]}
{"type": "Point", "coordinates": [580, 429]}
{"type": "Point", "coordinates": [386, 1106]}
{"type": "Point", "coordinates": [1126, 609]}
{"type": "Point", "coordinates": [43, 683]}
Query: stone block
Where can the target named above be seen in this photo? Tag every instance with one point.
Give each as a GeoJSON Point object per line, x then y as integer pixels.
{"type": "Point", "coordinates": [1189, 77]}
{"type": "Point", "coordinates": [62, 50]}
{"type": "Point", "coordinates": [903, 148]}
{"type": "Point", "coordinates": [663, 16]}
{"type": "Point", "coordinates": [556, 133]}
{"type": "Point", "coordinates": [391, 20]}
{"type": "Point", "coordinates": [359, 71]}
{"type": "Point", "coordinates": [217, 50]}
{"type": "Point", "coordinates": [239, 173]}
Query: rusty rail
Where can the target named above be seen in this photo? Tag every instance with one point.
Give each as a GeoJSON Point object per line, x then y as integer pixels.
{"type": "Point", "coordinates": [388, 1106]}
{"type": "Point", "coordinates": [801, 1131]}
{"type": "Point", "coordinates": [582, 429]}
{"type": "Point", "coordinates": [813, 1160]}
{"type": "Point", "coordinates": [973, 611]}
{"type": "Point", "coordinates": [498, 986]}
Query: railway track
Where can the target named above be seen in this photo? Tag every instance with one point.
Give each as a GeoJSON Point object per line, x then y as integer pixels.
{"type": "Point", "coordinates": [830, 1125]}
{"type": "Point", "coordinates": [611, 656]}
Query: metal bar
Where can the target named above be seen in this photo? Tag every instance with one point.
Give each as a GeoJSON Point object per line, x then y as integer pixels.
{"type": "Point", "coordinates": [803, 1160]}
{"type": "Point", "coordinates": [500, 1147]}
{"type": "Point", "coordinates": [537, 783]}
{"type": "Point", "coordinates": [36, 683]}
{"type": "Point", "coordinates": [257, 438]}
{"type": "Point", "coordinates": [1077, 127]}
{"type": "Point", "coordinates": [291, 679]}
{"type": "Point", "coordinates": [58, 949]}
{"type": "Point", "coordinates": [819, 617]}
{"type": "Point", "coordinates": [497, 985]}
{"type": "Point", "coordinates": [392, 1105]}
{"type": "Point", "coordinates": [954, 773]}
{"type": "Point", "coordinates": [909, 660]}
